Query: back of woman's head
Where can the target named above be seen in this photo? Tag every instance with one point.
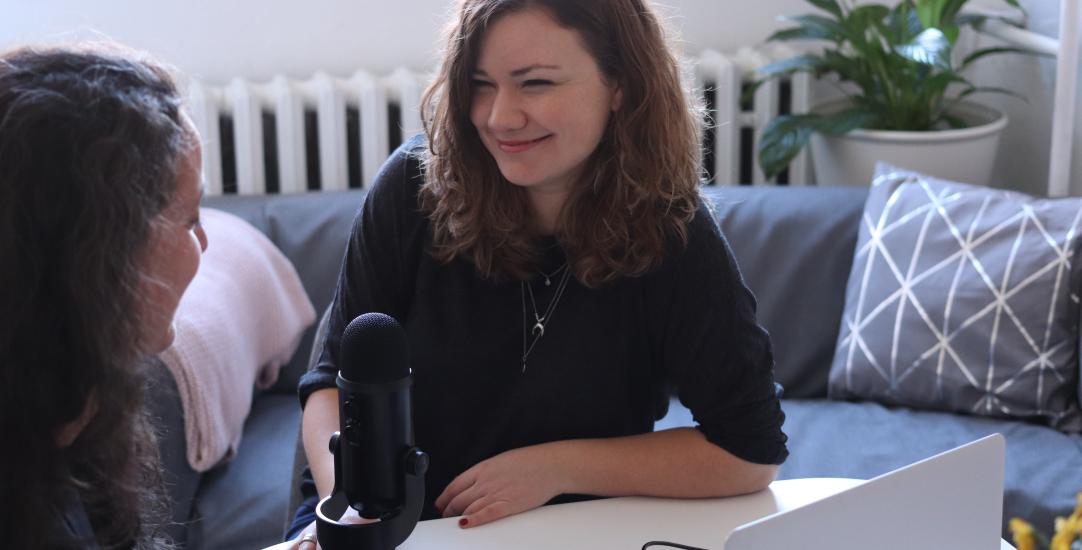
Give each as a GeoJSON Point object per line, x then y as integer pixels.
{"type": "Point", "coordinates": [89, 143]}
{"type": "Point", "coordinates": [641, 185]}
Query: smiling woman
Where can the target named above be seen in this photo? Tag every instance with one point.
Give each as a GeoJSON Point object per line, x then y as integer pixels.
{"type": "Point", "coordinates": [548, 254]}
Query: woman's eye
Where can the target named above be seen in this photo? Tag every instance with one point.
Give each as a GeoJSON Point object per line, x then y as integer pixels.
{"type": "Point", "coordinates": [477, 83]}
{"type": "Point", "coordinates": [537, 82]}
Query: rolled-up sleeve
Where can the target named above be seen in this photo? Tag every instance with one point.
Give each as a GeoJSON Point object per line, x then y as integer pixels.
{"type": "Point", "coordinates": [715, 352]}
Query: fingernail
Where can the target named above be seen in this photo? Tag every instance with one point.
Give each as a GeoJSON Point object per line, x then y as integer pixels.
{"type": "Point", "coordinates": [463, 522]}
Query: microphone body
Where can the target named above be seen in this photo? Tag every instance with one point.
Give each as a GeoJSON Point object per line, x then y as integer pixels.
{"type": "Point", "coordinates": [375, 414]}
{"type": "Point", "coordinates": [377, 470]}
{"type": "Point", "coordinates": [376, 434]}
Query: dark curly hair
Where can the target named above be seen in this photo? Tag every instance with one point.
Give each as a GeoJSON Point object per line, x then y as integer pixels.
{"type": "Point", "coordinates": [89, 146]}
{"type": "Point", "coordinates": [640, 186]}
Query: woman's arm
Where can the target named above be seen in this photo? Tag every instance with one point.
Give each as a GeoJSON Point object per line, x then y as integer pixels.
{"type": "Point", "coordinates": [678, 463]}
{"type": "Point", "coordinates": [319, 421]}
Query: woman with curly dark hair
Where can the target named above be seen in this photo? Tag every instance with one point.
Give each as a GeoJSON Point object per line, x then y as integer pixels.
{"type": "Point", "coordinates": [555, 269]}
{"type": "Point", "coordinates": [99, 236]}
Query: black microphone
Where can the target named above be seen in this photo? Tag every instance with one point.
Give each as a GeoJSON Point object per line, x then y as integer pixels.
{"type": "Point", "coordinates": [374, 397]}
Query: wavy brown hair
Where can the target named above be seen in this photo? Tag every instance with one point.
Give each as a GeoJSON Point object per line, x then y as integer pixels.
{"type": "Point", "coordinates": [640, 187]}
{"type": "Point", "coordinates": [89, 143]}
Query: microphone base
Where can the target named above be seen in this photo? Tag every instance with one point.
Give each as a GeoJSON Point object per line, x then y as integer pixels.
{"type": "Point", "coordinates": [385, 534]}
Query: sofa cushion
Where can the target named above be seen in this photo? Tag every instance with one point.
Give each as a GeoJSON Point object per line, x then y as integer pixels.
{"type": "Point", "coordinates": [863, 440]}
{"type": "Point", "coordinates": [963, 298]}
{"type": "Point", "coordinates": [794, 246]}
{"type": "Point", "coordinates": [242, 503]}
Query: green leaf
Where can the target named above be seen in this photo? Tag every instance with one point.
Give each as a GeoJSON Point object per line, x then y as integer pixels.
{"type": "Point", "coordinates": [806, 62]}
{"type": "Point", "coordinates": [842, 122]}
{"type": "Point", "coordinates": [814, 26]}
{"type": "Point", "coordinates": [747, 97]}
{"type": "Point", "coordinates": [828, 5]}
{"type": "Point", "coordinates": [903, 24]}
{"type": "Point", "coordinates": [928, 11]}
{"type": "Point", "coordinates": [863, 18]}
{"type": "Point", "coordinates": [955, 122]}
{"type": "Point", "coordinates": [865, 15]}
{"type": "Point", "coordinates": [949, 11]}
{"type": "Point", "coordinates": [931, 47]}
{"type": "Point", "coordinates": [937, 84]}
{"type": "Point", "coordinates": [800, 33]}
{"type": "Point", "coordinates": [782, 140]}
{"type": "Point", "coordinates": [970, 20]}
{"type": "Point", "coordinates": [988, 51]}
{"type": "Point", "coordinates": [951, 32]}
{"type": "Point", "coordinates": [988, 90]}
{"type": "Point", "coordinates": [785, 136]}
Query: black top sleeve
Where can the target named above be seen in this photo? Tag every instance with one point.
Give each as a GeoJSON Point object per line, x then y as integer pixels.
{"type": "Point", "coordinates": [716, 354]}
{"type": "Point", "coordinates": [376, 269]}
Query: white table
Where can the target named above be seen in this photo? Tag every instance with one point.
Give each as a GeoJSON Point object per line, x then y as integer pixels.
{"type": "Point", "coordinates": [626, 523]}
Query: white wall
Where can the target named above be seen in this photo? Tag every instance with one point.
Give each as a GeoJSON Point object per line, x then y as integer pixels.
{"type": "Point", "coordinates": [1023, 158]}
{"type": "Point", "coordinates": [216, 40]}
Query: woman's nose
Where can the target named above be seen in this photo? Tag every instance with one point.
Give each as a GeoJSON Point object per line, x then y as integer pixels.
{"type": "Point", "coordinates": [507, 112]}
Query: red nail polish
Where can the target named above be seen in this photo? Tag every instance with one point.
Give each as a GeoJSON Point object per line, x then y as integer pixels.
{"type": "Point", "coordinates": [463, 522]}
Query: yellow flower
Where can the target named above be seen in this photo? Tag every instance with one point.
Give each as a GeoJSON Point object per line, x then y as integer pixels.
{"type": "Point", "coordinates": [1022, 532]}
{"type": "Point", "coordinates": [1066, 531]}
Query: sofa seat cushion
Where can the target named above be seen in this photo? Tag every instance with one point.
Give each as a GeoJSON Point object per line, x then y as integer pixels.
{"type": "Point", "coordinates": [863, 440]}
{"type": "Point", "coordinates": [243, 503]}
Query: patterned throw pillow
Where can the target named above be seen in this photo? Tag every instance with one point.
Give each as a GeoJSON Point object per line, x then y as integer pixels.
{"type": "Point", "coordinates": [964, 299]}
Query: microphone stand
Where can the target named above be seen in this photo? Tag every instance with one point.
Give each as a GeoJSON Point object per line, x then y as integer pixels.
{"type": "Point", "coordinates": [389, 531]}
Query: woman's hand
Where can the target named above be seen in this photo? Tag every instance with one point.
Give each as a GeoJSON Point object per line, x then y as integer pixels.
{"type": "Point", "coordinates": [504, 485]}
{"type": "Point", "coordinates": [306, 540]}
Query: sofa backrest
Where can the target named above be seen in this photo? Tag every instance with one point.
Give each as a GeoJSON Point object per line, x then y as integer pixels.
{"type": "Point", "coordinates": [794, 246]}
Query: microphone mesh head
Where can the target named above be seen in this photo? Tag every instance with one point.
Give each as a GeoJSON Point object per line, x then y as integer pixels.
{"type": "Point", "coordinates": [373, 350]}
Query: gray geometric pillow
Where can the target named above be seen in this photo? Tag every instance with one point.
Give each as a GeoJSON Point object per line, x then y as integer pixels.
{"type": "Point", "coordinates": [965, 299]}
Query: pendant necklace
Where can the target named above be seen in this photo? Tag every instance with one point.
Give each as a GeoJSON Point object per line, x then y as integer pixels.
{"type": "Point", "coordinates": [540, 321]}
{"type": "Point", "coordinates": [548, 276]}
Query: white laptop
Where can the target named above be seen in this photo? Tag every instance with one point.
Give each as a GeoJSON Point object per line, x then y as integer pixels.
{"type": "Point", "coordinates": [953, 500]}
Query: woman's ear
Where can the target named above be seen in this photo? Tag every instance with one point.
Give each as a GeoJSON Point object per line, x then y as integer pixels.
{"type": "Point", "coordinates": [69, 432]}
{"type": "Point", "coordinates": [617, 97]}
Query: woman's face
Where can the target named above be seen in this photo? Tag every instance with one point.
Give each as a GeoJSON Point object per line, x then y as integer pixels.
{"type": "Point", "coordinates": [176, 243]}
{"type": "Point", "coordinates": [540, 103]}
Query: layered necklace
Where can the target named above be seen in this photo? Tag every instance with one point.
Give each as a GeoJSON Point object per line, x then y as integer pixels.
{"type": "Point", "coordinates": [540, 321]}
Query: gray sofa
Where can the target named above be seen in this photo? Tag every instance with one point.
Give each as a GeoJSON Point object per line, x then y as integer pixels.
{"type": "Point", "coordinates": [795, 248]}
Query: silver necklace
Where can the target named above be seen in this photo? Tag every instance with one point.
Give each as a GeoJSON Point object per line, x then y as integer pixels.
{"type": "Point", "coordinates": [540, 321]}
{"type": "Point", "coordinates": [548, 276]}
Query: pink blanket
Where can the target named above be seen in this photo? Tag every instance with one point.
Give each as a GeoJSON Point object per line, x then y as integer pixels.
{"type": "Point", "coordinates": [239, 322]}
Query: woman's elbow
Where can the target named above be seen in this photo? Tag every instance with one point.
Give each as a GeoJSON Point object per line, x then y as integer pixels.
{"type": "Point", "coordinates": [760, 476]}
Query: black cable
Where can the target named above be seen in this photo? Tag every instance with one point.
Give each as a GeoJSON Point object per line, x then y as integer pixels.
{"type": "Point", "coordinates": [670, 545]}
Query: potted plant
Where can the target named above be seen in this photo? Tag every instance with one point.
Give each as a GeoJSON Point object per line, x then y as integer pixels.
{"type": "Point", "coordinates": [903, 88]}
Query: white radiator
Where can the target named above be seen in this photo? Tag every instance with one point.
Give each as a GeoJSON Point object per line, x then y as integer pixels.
{"type": "Point", "coordinates": [349, 122]}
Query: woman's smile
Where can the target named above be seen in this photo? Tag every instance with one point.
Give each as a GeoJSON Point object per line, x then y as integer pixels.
{"type": "Point", "coordinates": [520, 146]}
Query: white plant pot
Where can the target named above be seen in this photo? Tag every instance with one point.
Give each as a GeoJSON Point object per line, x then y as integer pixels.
{"type": "Point", "coordinates": [965, 155]}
